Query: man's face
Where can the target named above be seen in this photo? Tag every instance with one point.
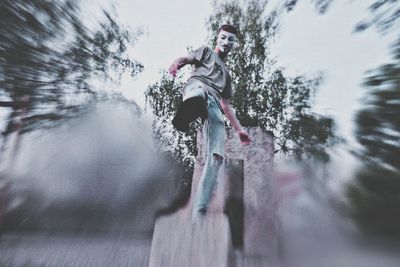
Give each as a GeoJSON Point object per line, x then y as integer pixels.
{"type": "Point", "coordinates": [225, 41]}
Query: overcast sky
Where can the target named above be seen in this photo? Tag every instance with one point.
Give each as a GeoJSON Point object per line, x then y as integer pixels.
{"type": "Point", "coordinates": [308, 43]}
{"type": "Point", "coordinates": [171, 26]}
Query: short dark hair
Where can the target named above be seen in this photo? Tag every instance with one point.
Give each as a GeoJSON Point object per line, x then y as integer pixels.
{"type": "Point", "coordinates": [228, 28]}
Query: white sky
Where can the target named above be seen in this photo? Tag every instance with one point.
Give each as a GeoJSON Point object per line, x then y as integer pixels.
{"type": "Point", "coordinates": [171, 27]}
{"type": "Point", "coordinates": [308, 43]}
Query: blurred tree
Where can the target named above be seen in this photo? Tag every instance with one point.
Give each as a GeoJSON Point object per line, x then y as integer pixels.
{"type": "Point", "coordinates": [51, 60]}
{"type": "Point", "coordinates": [263, 96]}
{"type": "Point", "coordinates": [375, 193]}
{"type": "Point", "coordinates": [320, 5]}
{"type": "Point", "coordinates": [384, 14]}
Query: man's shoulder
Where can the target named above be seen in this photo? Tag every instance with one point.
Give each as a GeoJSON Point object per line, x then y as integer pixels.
{"type": "Point", "coordinates": [203, 53]}
{"type": "Point", "coordinates": [203, 48]}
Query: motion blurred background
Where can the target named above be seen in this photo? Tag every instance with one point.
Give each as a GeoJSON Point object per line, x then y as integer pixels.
{"type": "Point", "coordinates": [88, 150]}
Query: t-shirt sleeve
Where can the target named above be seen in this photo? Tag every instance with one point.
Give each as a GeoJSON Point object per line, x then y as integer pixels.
{"type": "Point", "coordinates": [200, 53]}
{"type": "Point", "coordinates": [227, 92]}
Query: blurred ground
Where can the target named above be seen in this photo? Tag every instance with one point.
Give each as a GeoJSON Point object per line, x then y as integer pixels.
{"type": "Point", "coordinates": [98, 173]}
{"type": "Point", "coordinates": [36, 250]}
{"type": "Point", "coordinates": [86, 193]}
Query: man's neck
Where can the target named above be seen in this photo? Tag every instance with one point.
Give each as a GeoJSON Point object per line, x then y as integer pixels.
{"type": "Point", "coordinates": [221, 54]}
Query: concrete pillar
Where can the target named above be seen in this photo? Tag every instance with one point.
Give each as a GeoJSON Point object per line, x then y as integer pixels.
{"type": "Point", "coordinates": [245, 192]}
{"type": "Point", "coordinates": [261, 226]}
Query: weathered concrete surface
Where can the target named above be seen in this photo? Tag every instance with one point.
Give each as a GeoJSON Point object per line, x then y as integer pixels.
{"type": "Point", "coordinates": [73, 251]}
{"type": "Point", "coordinates": [261, 236]}
{"type": "Point", "coordinates": [261, 225]}
{"type": "Point", "coordinates": [179, 242]}
{"type": "Point", "coordinates": [200, 241]}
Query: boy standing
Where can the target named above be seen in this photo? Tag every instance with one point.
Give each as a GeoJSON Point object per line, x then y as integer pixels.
{"type": "Point", "coordinates": [206, 95]}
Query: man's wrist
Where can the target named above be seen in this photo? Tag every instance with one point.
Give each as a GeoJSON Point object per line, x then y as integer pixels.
{"type": "Point", "coordinates": [239, 129]}
{"type": "Point", "coordinates": [180, 65]}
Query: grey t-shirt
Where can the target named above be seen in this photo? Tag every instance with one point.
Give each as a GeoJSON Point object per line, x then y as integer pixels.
{"type": "Point", "coordinates": [211, 71]}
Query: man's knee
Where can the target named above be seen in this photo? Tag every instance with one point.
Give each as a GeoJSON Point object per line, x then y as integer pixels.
{"type": "Point", "coordinates": [218, 157]}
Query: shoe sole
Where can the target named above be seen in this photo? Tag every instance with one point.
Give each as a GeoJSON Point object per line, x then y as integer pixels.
{"type": "Point", "coordinates": [187, 112]}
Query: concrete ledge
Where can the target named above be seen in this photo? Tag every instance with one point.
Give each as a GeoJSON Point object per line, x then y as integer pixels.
{"type": "Point", "coordinates": [245, 192]}
{"type": "Point", "coordinates": [177, 241]}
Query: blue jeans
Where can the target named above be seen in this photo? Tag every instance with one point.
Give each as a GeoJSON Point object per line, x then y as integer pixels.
{"type": "Point", "coordinates": [214, 138]}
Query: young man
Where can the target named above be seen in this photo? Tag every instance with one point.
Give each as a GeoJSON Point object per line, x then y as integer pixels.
{"type": "Point", "coordinates": [206, 95]}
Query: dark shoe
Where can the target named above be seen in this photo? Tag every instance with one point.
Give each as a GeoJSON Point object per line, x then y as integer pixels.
{"type": "Point", "coordinates": [189, 111]}
{"type": "Point", "coordinates": [202, 210]}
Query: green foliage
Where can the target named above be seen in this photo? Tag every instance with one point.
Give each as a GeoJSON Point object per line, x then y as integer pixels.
{"type": "Point", "coordinates": [164, 98]}
{"type": "Point", "coordinates": [375, 193]}
{"type": "Point", "coordinates": [263, 95]}
{"type": "Point", "coordinates": [248, 62]}
{"type": "Point", "coordinates": [51, 58]}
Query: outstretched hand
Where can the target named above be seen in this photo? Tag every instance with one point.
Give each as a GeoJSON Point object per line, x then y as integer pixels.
{"type": "Point", "coordinates": [173, 69]}
{"type": "Point", "coordinates": [244, 138]}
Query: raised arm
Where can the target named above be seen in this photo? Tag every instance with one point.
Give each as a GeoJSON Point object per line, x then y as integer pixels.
{"type": "Point", "coordinates": [179, 63]}
{"type": "Point", "coordinates": [230, 114]}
